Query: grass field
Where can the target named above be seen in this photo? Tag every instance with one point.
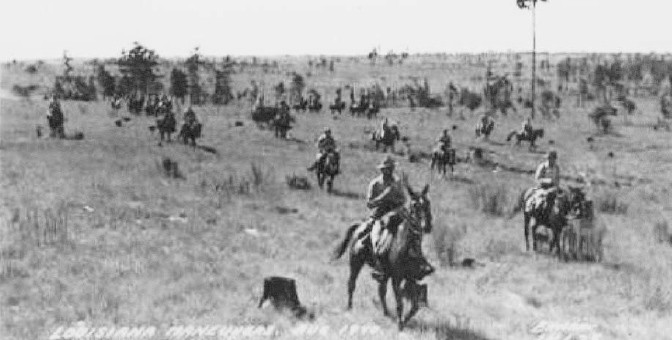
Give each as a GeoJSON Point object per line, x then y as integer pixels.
{"type": "Point", "coordinates": [93, 230]}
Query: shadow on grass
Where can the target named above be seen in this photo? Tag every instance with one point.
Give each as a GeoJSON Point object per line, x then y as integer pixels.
{"type": "Point", "coordinates": [445, 330]}
{"type": "Point", "coordinates": [208, 149]}
{"type": "Point", "coordinates": [347, 194]}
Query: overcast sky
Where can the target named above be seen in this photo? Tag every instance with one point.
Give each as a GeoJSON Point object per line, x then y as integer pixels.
{"type": "Point", "coordinates": [43, 29]}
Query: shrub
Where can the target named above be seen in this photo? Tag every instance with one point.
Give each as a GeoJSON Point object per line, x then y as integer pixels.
{"type": "Point", "coordinates": [610, 202]}
{"type": "Point", "coordinates": [446, 241]}
{"type": "Point", "coordinates": [490, 199]}
{"type": "Point", "coordinates": [297, 182]}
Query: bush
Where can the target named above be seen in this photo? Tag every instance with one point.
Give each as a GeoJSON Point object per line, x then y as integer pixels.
{"type": "Point", "coordinates": [297, 182]}
{"type": "Point", "coordinates": [446, 241]}
{"type": "Point", "coordinates": [662, 232]}
{"type": "Point", "coordinates": [490, 199]}
{"type": "Point", "coordinates": [610, 202]}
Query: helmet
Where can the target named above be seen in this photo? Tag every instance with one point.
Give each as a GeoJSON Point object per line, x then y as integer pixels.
{"type": "Point", "coordinates": [552, 155]}
{"type": "Point", "coordinates": [327, 130]}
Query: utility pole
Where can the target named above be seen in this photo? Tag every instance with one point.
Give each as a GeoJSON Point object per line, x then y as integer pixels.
{"type": "Point", "coordinates": [522, 4]}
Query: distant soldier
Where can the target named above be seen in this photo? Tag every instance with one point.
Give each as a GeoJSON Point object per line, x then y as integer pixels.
{"type": "Point", "coordinates": [526, 129]}
{"type": "Point", "coordinates": [547, 177]}
{"type": "Point", "coordinates": [444, 141]}
{"type": "Point", "coordinates": [326, 144]}
{"type": "Point", "coordinates": [190, 117]}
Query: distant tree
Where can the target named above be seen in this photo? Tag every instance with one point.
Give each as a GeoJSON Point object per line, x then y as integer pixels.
{"type": "Point", "coordinates": [223, 91]}
{"type": "Point", "coordinates": [124, 86]}
{"type": "Point", "coordinates": [138, 65]}
{"type": "Point", "coordinates": [105, 81]}
{"type": "Point", "coordinates": [66, 64]}
{"type": "Point", "coordinates": [279, 91]}
{"type": "Point", "coordinates": [193, 64]}
{"type": "Point", "coordinates": [296, 88]}
{"type": "Point", "coordinates": [179, 85]}
{"type": "Point", "coordinates": [91, 92]}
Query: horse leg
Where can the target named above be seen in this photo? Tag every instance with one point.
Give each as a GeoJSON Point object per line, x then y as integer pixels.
{"type": "Point", "coordinates": [414, 307]}
{"type": "Point", "coordinates": [330, 183]}
{"type": "Point", "coordinates": [382, 294]}
{"type": "Point", "coordinates": [396, 286]}
{"type": "Point", "coordinates": [526, 220]}
{"type": "Point", "coordinates": [356, 265]}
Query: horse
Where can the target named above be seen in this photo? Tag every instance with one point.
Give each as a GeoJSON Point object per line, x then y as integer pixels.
{"type": "Point", "coordinates": [264, 115]}
{"type": "Point", "coordinates": [552, 217]}
{"type": "Point", "coordinates": [441, 159]}
{"type": "Point", "coordinates": [190, 132]}
{"type": "Point", "coordinates": [530, 137]}
{"type": "Point", "coordinates": [357, 109]}
{"type": "Point", "coordinates": [327, 170]}
{"type": "Point", "coordinates": [134, 104]}
{"type": "Point", "coordinates": [281, 125]}
{"type": "Point", "coordinates": [372, 111]}
{"type": "Point", "coordinates": [387, 138]}
{"type": "Point", "coordinates": [399, 264]}
{"type": "Point", "coordinates": [115, 103]}
{"type": "Point", "coordinates": [166, 125]}
{"type": "Point", "coordinates": [484, 129]}
{"type": "Point", "coordinates": [315, 107]}
{"type": "Point", "coordinates": [338, 106]}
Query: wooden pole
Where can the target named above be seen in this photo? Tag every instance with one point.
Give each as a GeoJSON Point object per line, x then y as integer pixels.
{"type": "Point", "coordinates": [534, 55]}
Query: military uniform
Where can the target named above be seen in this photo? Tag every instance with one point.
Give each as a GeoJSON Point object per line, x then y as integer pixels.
{"type": "Point", "coordinates": [548, 184]}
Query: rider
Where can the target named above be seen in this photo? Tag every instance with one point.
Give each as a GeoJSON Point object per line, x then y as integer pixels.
{"type": "Point", "coordinates": [190, 117]}
{"type": "Point", "coordinates": [548, 179]}
{"type": "Point", "coordinates": [386, 198]}
{"type": "Point", "coordinates": [55, 117]}
{"type": "Point", "coordinates": [325, 144]}
{"type": "Point", "coordinates": [485, 120]}
{"type": "Point", "coordinates": [444, 141]}
{"type": "Point", "coordinates": [526, 128]}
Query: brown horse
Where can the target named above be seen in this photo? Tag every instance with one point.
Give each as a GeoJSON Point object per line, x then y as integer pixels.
{"type": "Point", "coordinates": [327, 169]}
{"type": "Point", "coordinates": [552, 216]}
{"type": "Point", "coordinates": [386, 138]}
{"type": "Point", "coordinates": [531, 137]}
{"type": "Point", "coordinates": [441, 159]}
{"type": "Point", "coordinates": [399, 263]}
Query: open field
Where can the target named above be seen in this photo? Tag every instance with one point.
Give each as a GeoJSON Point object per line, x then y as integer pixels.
{"type": "Point", "coordinates": [93, 231]}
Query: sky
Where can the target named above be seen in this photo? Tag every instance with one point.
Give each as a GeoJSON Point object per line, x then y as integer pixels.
{"type": "Point", "coordinates": [43, 29]}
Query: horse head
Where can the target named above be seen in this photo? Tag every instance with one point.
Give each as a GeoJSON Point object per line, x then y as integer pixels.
{"type": "Point", "coordinates": [420, 208]}
{"type": "Point", "coordinates": [540, 133]}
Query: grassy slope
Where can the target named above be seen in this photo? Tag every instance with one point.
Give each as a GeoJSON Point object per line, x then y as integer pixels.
{"type": "Point", "coordinates": [127, 263]}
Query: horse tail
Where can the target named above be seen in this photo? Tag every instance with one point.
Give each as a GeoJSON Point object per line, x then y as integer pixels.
{"type": "Point", "coordinates": [508, 138]}
{"type": "Point", "coordinates": [340, 249]}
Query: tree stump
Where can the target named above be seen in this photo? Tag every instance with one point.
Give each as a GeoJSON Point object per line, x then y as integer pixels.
{"type": "Point", "coordinates": [281, 291]}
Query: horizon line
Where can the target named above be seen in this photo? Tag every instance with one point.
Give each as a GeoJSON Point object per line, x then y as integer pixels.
{"type": "Point", "coordinates": [305, 55]}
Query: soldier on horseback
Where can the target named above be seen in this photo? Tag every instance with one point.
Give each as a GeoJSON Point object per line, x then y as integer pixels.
{"type": "Point", "coordinates": [526, 129]}
{"type": "Point", "coordinates": [548, 181]}
{"type": "Point", "coordinates": [326, 144]}
{"type": "Point", "coordinates": [55, 118]}
{"type": "Point", "coordinates": [190, 117]}
{"type": "Point", "coordinates": [444, 141]}
{"type": "Point", "coordinates": [386, 199]}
